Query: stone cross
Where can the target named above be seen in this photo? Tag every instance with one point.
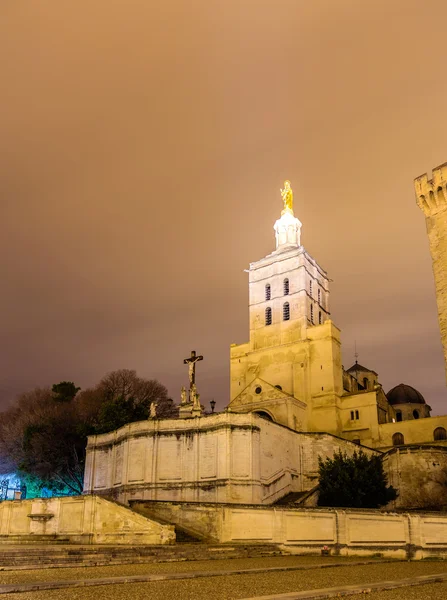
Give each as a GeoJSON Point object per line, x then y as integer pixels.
{"type": "Point", "coordinates": [191, 362]}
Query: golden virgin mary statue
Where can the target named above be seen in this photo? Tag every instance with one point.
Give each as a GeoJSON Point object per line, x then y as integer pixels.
{"type": "Point", "coordinates": [287, 196]}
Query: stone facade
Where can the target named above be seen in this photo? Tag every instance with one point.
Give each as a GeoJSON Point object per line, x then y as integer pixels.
{"type": "Point", "coordinates": [414, 431]}
{"type": "Point", "coordinates": [229, 458]}
{"type": "Point", "coordinates": [431, 197]}
{"type": "Point", "coordinates": [78, 519]}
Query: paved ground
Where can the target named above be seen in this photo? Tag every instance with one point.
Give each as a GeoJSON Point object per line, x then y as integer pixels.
{"type": "Point", "coordinates": [232, 587]}
{"type": "Point", "coordinates": [33, 575]}
{"type": "Point", "coordinates": [436, 591]}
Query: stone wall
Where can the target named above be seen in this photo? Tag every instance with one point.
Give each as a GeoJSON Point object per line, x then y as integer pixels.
{"type": "Point", "coordinates": [346, 532]}
{"type": "Point", "coordinates": [419, 473]}
{"type": "Point", "coordinates": [227, 457]}
{"type": "Point", "coordinates": [415, 431]}
{"type": "Point", "coordinates": [78, 519]}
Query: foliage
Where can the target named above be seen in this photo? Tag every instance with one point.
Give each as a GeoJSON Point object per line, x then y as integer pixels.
{"type": "Point", "coordinates": [127, 398]}
{"type": "Point", "coordinates": [356, 481]}
{"type": "Point", "coordinates": [64, 391]}
{"type": "Point", "coordinates": [44, 434]}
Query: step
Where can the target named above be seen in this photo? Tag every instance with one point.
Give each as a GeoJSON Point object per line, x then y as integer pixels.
{"type": "Point", "coordinates": [32, 557]}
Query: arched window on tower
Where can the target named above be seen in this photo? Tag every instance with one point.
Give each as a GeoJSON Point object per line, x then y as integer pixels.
{"type": "Point", "coordinates": [286, 311]}
{"type": "Point", "coordinates": [310, 288]}
{"type": "Point", "coordinates": [319, 318]}
{"type": "Point", "coordinates": [311, 313]}
{"type": "Point", "coordinates": [398, 439]}
{"type": "Point", "coordinates": [439, 434]}
{"type": "Point", "coordinates": [398, 415]}
{"type": "Point", "coordinates": [319, 296]}
{"type": "Point", "coordinates": [268, 291]}
{"type": "Point", "coordinates": [268, 316]}
{"type": "Point", "coordinates": [415, 414]}
{"type": "Point", "coordinates": [365, 383]}
{"type": "Point", "coordinates": [286, 287]}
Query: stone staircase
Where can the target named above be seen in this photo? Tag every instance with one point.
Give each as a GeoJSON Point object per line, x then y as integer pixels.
{"type": "Point", "coordinates": [291, 498]}
{"type": "Point", "coordinates": [47, 556]}
{"type": "Point", "coordinates": [308, 498]}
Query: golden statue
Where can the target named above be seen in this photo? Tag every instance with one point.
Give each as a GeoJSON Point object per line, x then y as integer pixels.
{"type": "Point", "coordinates": [287, 196]}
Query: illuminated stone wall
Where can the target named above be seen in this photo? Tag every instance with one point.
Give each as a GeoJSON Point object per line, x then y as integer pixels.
{"type": "Point", "coordinates": [431, 197]}
{"type": "Point", "coordinates": [78, 519]}
{"type": "Point", "coordinates": [226, 457]}
{"type": "Point", "coordinates": [301, 531]}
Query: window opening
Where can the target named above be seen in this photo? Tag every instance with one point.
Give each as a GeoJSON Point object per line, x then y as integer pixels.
{"type": "Point", "coordinates": [415, 414]}
{"type": "Point", "coordinates": [268, 292]}
{"type": "Point", "coordinates": [286, 287]}
{"type": "Point", "coordinates": [319, 317]}
{"type": "Point", "coordinates": [439, 434]}
{"type": "Point", "coordinates": [357, 415]}
{"type": "Point", "coordinates": [398, 439]}
{"type": "Point", "coordinates": [398, 415]}
{"type": "Point", "coordinates": [319, 296]}
{"type": "Point", "coordinates": [352, 415]}
{"type": "Point", "coordinates": [311, 313]}
{"type": "Point", "coordinates": [310, 288]}
{"type": "Point", "coordinates": [286, 311]}
{"type": "Point", "coordinates": [268, 316]}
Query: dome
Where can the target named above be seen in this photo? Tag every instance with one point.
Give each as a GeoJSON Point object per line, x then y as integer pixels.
{"type": "Point", "coordinates": [404, 394]}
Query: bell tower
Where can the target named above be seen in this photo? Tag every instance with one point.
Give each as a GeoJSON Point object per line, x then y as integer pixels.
{"type": "Point", "coordinates": [288, 290]}
{"type": "Point", "coordinates": [291, 364]}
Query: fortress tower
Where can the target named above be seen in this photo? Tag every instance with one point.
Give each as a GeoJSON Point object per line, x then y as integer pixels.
{"type": "Point", "coordinates": [431, 197]}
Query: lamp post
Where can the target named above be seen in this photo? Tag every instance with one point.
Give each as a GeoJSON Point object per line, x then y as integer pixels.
{"type": "Point", "coordinates": [212, 404]}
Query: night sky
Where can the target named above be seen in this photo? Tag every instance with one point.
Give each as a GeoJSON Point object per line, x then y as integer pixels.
{"type": "Point", "coordinates": [142, 149]}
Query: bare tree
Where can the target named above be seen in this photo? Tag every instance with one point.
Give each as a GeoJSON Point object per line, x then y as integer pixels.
{"type": "Point", "coordinates": [126, 385]}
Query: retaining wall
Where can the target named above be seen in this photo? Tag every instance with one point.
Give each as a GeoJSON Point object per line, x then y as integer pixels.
{"type": "Point", "coordinates": [78, 519]}
{"type": "Point", "coordinates": [345, 531]}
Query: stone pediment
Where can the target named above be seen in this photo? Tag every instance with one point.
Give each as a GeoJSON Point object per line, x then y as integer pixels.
{"type": "Point", "coordinates": [259, 392]}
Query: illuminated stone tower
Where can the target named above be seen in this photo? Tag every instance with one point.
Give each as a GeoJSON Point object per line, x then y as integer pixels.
{"type": "Point", "coordinates": [290, 369]}
{"type": "Point", "coordinates": [431, 197]}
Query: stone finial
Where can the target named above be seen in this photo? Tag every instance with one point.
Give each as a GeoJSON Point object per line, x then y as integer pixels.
{"type": "Point", "coordinates": [183, 396]}
{"type": "Point", "coordinates": [153, 410]}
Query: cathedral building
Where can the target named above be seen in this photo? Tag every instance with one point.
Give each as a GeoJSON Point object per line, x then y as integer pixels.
{"type": "Point", "coordinates": [290, 371]}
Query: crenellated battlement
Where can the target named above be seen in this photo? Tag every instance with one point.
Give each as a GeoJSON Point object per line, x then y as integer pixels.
{"type": "Point", "coordinates": [431, 194]}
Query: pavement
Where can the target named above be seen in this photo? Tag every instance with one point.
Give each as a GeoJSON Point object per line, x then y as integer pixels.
{"type": "Point", "coordinates": [282, 578]}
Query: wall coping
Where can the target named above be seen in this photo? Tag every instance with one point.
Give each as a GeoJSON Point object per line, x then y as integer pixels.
{"type": "Point", "coordinates": [332, 509]}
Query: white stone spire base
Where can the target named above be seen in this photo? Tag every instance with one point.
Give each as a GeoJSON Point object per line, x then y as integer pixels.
{"type": "Point", "coordinates": [287, 230]}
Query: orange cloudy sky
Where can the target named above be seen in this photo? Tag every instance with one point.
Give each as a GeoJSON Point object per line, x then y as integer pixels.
{"type": "Point", "coordinates": [142, 148]}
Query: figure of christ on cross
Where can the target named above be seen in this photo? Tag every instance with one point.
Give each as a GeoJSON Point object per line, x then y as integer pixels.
{"type": "Point", "coordinates": [191, 362]}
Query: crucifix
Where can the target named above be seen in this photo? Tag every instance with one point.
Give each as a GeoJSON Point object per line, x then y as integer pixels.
{"type": "Point", "coordinates": [191, 362]}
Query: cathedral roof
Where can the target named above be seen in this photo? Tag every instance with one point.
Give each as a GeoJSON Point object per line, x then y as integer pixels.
{"type": "Point", "coordinates": [405, 394]}
{"type": "Point", "coordinates": [359, 367]}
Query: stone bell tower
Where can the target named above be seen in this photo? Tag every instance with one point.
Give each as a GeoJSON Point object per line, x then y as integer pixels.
{"type": "Point", "coordinates": [431, 197]}
{"type": "Point", "coordinates": [290, 369]}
